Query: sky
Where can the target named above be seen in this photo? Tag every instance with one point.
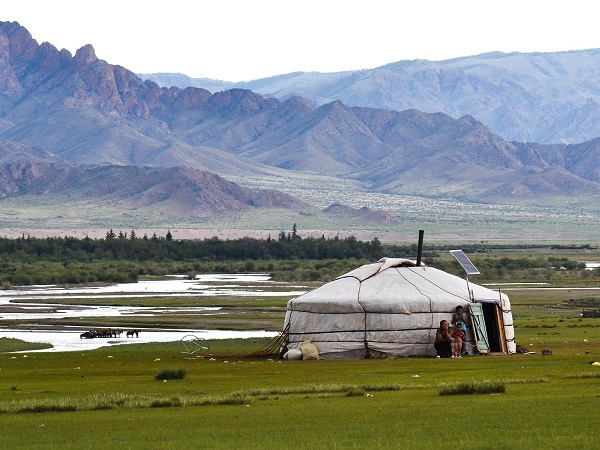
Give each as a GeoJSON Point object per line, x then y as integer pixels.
{"type": "Point", "coordinates": [243, 40]}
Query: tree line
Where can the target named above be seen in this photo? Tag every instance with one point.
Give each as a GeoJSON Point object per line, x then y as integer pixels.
{"type": "Point", "coordinates": [121, 257]}
{"type": "Point", "coordinates": [70, 249]}
{"type": "Point", "coordinates": [124, 257]}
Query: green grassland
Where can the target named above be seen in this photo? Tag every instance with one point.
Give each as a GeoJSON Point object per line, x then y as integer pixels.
{"type": "Point", "coordinates": [110, 396]}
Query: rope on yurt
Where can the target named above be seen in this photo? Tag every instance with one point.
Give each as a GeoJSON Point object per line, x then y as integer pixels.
{"type": "Point", "coordinates": [435, 284]}
{"type": "Point", "coordinates": [501, 305]}
{"type": "Point", "coordinates": [431, 325]}
{"type": "Point", "coordinates": [270, 350]}
{"type": "Point", "coordinates": [505, 311]}
{"type": "Point", "coordinates": [363, 331]}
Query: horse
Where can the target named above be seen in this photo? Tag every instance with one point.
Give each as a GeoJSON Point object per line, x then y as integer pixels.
{"type": "Point", "coordinates": [132, 332]}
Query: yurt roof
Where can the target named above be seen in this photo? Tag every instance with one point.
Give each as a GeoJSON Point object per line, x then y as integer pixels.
{"type": "Point", "coordinates": [393, 285]}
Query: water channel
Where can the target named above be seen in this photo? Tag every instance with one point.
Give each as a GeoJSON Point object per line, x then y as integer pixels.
{"type": "Point", "coordinates": [14, 306]}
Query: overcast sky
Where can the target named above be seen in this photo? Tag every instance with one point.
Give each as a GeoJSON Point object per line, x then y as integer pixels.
{"type": "Point", "coordinates": [242, 40]}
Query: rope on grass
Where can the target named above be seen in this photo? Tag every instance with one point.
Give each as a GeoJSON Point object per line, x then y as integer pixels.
{"type": "Point", "coordinates": [270, 350]}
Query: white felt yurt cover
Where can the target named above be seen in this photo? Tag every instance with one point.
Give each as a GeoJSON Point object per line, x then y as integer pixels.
{"type": "Point", "coordinates": [386, 309]}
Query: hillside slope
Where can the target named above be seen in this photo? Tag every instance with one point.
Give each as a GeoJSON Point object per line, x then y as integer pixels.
{"type": "Point", "coordinates": [177, 190]}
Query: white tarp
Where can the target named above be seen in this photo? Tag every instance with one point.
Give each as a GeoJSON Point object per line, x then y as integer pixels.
{"type": "Point", "coordinates": [389, 308]}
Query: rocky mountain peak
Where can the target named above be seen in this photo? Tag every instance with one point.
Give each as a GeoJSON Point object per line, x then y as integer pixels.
{"type": "Point", "coordinates": [21, 45]}
{"type": "Point", "coordinates": [85, 55]}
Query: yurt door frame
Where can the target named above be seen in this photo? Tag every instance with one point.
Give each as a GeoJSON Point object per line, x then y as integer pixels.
{"type": "Point", "coordinates": [488, 326]}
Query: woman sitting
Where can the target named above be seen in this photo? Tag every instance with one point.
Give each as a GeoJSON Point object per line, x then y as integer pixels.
{"type": "Point", "coordinates": [443, 341]}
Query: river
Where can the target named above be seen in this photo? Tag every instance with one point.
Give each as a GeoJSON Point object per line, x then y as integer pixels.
{"type": "Point", "coordinates": [176, 286]}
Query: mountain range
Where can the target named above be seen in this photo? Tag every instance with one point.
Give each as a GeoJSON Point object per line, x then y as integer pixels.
{"type": "Point", "coordinates": [529, 97]}
{"type": "Point", "coordinates": [76, 124]}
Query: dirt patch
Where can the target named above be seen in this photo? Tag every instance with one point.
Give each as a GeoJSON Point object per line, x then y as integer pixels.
{"type": "Point", "coordinates": [586, 303]}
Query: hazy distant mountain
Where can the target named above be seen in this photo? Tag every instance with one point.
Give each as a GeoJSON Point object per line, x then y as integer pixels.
{"type": "Point", "coordinates": [177, 189]}
{"type": "Point", "coordinates": [367, 214]}
{"type": "Point", "coordinates": [529, 97]}
{"type": "Point", "coordinates": [78, 110]}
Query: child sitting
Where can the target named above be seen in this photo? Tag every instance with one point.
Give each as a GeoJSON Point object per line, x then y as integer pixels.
{"type": "Point", "coordinates": [458, 317]}
{"type": "Point", "coordinates": [459, 336]}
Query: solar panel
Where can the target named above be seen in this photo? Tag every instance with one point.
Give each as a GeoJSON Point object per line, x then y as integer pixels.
{"type": "Point", "coordinates": [465, 262]}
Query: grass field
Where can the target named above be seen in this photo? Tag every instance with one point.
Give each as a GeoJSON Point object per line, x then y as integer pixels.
{"type": "Point", "coordinates": [110, 396]}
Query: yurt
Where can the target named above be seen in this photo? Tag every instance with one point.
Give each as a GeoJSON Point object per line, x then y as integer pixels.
{"type": "Point", "coordinates": [393, 308]}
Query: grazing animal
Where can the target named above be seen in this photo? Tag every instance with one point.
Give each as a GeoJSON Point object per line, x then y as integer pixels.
{"type": "Point", "coordinates": [133, 332]}
{"type": "Point", "coordinates": [105, 333]}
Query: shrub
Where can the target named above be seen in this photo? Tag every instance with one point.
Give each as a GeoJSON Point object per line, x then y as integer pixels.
{"type": "Point", "coordinates": [21, 279]}
{"type": "Point", "coordinates": [479, 387]}
{"type": "Point", "coordinates": [166, 402]}
{"type": "Point", "coordinates": [43, 405]}
{"type": "Point", "coordinates": [171, 374]}
{"type": "Point", "coordinates": [355, 393]}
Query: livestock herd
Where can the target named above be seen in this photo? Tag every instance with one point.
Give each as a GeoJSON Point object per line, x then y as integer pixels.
{"type": "Point", "coordinates": [108, 333]}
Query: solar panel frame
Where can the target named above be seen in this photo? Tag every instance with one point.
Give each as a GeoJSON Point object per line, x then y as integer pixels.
{"type": "Point", "coordinates": [465, 262]}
